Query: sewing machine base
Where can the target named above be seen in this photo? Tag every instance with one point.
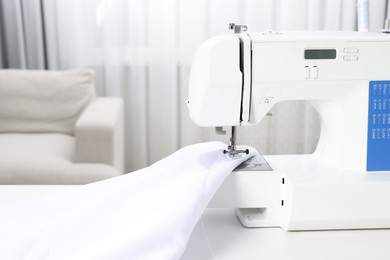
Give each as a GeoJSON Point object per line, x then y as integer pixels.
{"type": "Point", "coordinates": [302, 194]}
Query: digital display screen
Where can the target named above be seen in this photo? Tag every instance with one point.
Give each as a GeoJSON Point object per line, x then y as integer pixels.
{"type": "Point", "coordinates": [320, 54]}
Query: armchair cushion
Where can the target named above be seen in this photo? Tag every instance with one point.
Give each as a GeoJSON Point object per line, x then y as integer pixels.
{"type": "Point", "coordinates": [43, 101]}
{"type": "Point", "coordinates": [46, 158]}
{"type": "Point", "coordinates": [53, 129]}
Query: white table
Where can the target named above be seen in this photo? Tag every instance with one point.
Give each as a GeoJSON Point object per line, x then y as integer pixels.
{"type": "Point", "coordinates": [223, 237]}
{"type": "Point", "coordinates": [219, 235]}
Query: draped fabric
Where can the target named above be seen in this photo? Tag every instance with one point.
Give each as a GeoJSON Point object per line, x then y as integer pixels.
{"type": "Point", "coordinates": [142, 51]}
{"type": "Point", "coordinates": [148, 214]}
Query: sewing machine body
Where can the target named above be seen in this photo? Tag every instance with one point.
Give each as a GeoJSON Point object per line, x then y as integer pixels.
{"type": "Point", "coordinates": [302, 194]}
{"type": "Point", "coordinates": [345, 184]}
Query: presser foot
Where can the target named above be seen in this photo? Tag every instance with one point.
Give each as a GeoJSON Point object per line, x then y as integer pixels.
{"type": "Point", "coordinates": [235, 153]}
{"type": "Point", "coordinates": [231, 149]}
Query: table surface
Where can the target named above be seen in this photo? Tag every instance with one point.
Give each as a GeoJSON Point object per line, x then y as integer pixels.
{"type": "Point", "coordinates": [219, 235]}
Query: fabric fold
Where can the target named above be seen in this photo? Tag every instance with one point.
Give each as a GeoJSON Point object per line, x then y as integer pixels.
{"type": "Point", "coordinates": [147, 214]}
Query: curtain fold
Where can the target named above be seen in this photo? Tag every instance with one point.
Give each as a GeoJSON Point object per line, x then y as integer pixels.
{"type": "Point", "coordinates": [23, 34]}
{"type": "Point", "coordinates": [12, 35]}
{"type": "Point", "coordinates": [142, 51]}
{"type": "Point", "coordinates": [3, 57]}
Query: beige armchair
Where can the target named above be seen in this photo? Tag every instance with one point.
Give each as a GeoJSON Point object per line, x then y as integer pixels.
{"type": "Point", "coordinates": [53, 129]}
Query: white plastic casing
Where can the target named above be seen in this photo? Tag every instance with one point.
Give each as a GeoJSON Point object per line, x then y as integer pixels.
{"type": "Point", "coordinates": [214, 95]}
{"type": "Point", "coordinates": [338, 87]}
{"type": "Point", "coordinates": [330, 189]}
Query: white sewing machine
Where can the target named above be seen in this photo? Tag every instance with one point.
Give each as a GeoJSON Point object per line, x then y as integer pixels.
{"type": "Point", "coordinates": [345, 184]}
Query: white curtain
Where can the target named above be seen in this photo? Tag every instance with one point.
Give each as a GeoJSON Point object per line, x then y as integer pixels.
{"type": "Point", "coordinates": [142, 51]}
{"type": "Point", "coordinates": [22, 43]}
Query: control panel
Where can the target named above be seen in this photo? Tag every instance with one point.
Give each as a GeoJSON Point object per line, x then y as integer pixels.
{"type": "Point", "coordinates": [311, 69]}
{"type": "Point", "coordinates": [378, 137]}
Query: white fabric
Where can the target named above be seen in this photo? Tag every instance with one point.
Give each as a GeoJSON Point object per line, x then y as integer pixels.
{"type": "Point", "coordinates": [148, 214]}
{"type": "Point", "coordinates": [46, 158]}
{"type": "Point", "coordinates": [43, 101]}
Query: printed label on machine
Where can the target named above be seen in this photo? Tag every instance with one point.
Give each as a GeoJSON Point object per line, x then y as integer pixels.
{"type": "Point", "coordinates": [378, 139]}
{"type": "Point", "coordinates": [255, 163]}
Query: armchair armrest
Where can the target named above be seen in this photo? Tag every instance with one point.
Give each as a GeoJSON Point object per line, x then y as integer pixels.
{"type": "Point", "coordinates": [99, 133]}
